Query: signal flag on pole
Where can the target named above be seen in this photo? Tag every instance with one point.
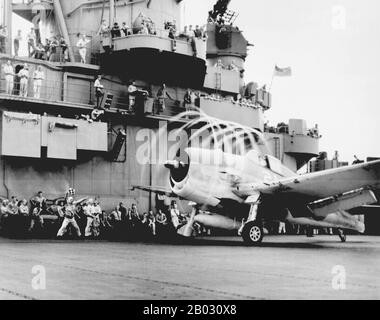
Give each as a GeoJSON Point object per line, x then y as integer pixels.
{"type": "Point", "coordinates": [282, 72]}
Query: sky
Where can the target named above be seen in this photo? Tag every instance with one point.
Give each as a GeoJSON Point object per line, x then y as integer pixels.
{"type": "Point", "coordinates": [333, 48]}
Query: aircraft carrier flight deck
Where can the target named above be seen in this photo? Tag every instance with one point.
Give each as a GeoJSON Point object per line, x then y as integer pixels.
{"type": "Point", "coordinates": [283, 267]}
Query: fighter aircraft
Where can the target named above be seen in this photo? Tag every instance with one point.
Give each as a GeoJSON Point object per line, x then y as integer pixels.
{"type": "Point", "coordinates": [257, 187]}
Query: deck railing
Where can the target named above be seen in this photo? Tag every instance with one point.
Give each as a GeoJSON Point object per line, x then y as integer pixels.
{"type": "Point", "coordinates": [82, 95]}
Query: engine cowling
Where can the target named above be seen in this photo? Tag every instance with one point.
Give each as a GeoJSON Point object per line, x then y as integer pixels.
{"type": "Point", "coordinates": [204, 178]}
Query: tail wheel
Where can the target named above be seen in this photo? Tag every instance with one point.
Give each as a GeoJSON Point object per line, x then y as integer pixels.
{"type": "Point", "coordinates": [253, 233]}
{"type": "Point", "coordinates": [342, 235]}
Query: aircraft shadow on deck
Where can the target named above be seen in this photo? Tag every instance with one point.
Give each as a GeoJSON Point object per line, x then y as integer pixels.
{"type": "Point", "coordinates": [197, 242]}
{"type": "Point", "coordinates": [267, 243]}
{"type": "Point", "coordinates": [264, 244]}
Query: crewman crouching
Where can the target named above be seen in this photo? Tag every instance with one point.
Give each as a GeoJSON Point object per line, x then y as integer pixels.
{"type": "Point", "coordinates": [36, 219]}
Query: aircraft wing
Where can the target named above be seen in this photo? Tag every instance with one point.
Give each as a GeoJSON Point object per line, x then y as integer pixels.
{"type": "Point", "coordinates": [322, 184]}
{"type": "Point", "coordinates": [156, 189]}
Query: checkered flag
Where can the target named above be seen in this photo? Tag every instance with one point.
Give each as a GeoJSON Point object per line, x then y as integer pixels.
{"type": "Point", "coordinates": [70, 193]}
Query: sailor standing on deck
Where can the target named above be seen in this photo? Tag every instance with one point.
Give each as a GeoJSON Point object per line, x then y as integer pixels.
{"type": "Point", "coordinates": [219, 64]}
{"type": "Point", "coordinates": [36, 219]}
{"type": "Point", "coordinates": [115, 31]}
{"type": "Point", "coordinates": [9, 77]}
{"type": "Point", "coordinates": [198, 32]}
{"type": "Point", "coordinates": [174, 213]}
{"type": "Point", "coordinates": [81, 44]}
{"type": "Point", "coordinates": [24, 77]}
{"type": "Point", "coordinates": [89, 212]}
{"type": "Point", "coordinates": [98, 90]}
{"type": "Point", "coordinates": [16, 42]}
{"type": "Point", "coordinates": [69, 211]}
{"type": "Point", "coordinates": [161, 95]}
{"type": "Point", "coordinates": [39, 200]}
{"type": "Point", "coordinates": [104, 29]}
{"type": "Point", "coordinates": [31, 37]}
{"type": "Point", "coordinates": [96, 222]}
{"type": "Point", "coordinates": [64, 52]}
{"type": "Point", "coordinates": [151, 221]}
{"type": "Point", "coordinates": [38, 207]}
{"type": "Point", "coordinates": [188, 100]}
{"type": "Point", "coordinates": [281, 228]}
{"type": "Point", "coordinates": [38, 76]}
{"type": "Point", "coordinates": [132, 95]}
{"type": "Point", "coordinates": [5, 211]}
{"type": "Point", "coordinates": [125, 29]}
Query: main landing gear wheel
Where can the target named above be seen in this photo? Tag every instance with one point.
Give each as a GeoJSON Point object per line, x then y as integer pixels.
{"type": "Point", "coordinates": [253, 233]}
{"type": "Point", "coordinates": [342, 235]}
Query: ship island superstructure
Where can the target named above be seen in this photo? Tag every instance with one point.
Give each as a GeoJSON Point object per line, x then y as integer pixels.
{"type": "Point", "coordinates": [55, 141]}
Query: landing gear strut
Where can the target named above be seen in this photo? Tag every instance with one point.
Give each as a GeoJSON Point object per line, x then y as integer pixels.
{"type": "Point", "coordinates": [342, 235]}
{"type": "Point", "coordinates": [253, 232]}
